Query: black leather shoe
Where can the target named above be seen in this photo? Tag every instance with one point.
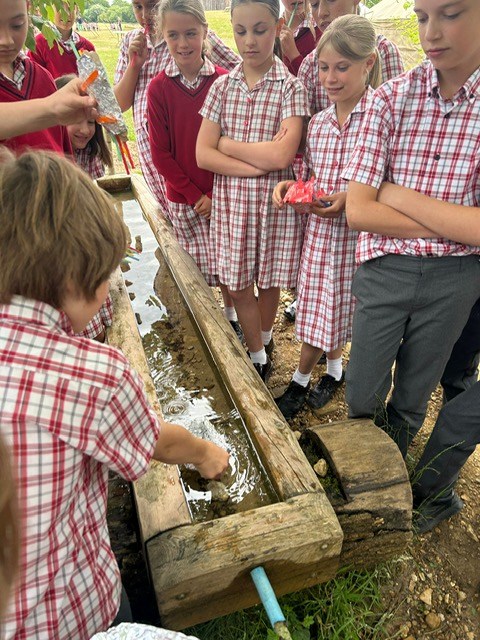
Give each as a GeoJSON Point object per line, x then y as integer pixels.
{"type": "Point", "coordinates": [264, 370]}
{"type": "Point", "coordinates": [292, 400]}
{"type": "Point", "coordinates": [323, 391]}
{"type": "Point", "coordinates": [430, 513]}
{"type": "Point", "coordinates": [238, 329]}
{"type": "Point", "coordinates": [270, 347]}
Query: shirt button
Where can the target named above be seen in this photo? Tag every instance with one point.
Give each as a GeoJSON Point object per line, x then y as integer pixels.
{"type": "Point", "coordinates": [245, 123]}
{"type": "Point", "coordinates": [436, 156]}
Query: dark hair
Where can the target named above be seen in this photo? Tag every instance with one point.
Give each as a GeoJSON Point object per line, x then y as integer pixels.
{"type": "Point", "coordinates": [97, 145]}
{"type": "Point", "coordinates": [274, 7]}
{"type": "Point", "coordinates": [57, 228]}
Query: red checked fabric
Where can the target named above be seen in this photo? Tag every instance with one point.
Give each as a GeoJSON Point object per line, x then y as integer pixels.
{"type": "Point", "coordinates": [71, 409]}
{"type": "Point", "coordinates": [392, 66]}
{"type": "Point", "coordinates": [251, 239]}
{"type": "Point", "coordinates": [324, 300]}
{"type": "Point", "coordinates": [100, 320]}
{"type": "Point", "coordinates": [90, 164]}
{"type": "Point", "coordinates": [158, 58]}
{"type": "Point", "coordinates": [415, 138]}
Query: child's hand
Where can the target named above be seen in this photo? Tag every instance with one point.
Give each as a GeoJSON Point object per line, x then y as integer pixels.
{"type": "Point", "coordinates": [138, 51]}
{"type": "Point", "coordinates": [289, 47]}
{"type": "Point", "coordinates": [214, 463]}
{"type": "Point", "coordinates": [331, 206]}
{"type": "Point", "coordinates": [279, 193]}
{"type": "Point", "coordinates": [203, 207]}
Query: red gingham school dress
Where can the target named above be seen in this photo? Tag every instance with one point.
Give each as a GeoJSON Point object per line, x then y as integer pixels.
{"type": "Point", "coordinates": [251, 239]}
{"type": "Point", "coordinates": [158, 56]}
{"type": "Point", "coordinates": [324, 299]}
{"type": "Point", "coordinates": [417, 139]}
{"type": "Point", "coordinates": [392, 66]}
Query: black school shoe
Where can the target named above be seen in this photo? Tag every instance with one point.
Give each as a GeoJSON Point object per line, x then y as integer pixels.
{"type": "Point", "coordinates": [292, 399]}
{"type": "Point", "coordinates": [323, 391]}
{"type": "Point", "coordinates": [430, 513]}
{"type": "Point", "coordinates": [238, 330]}
{"type": "Point", "coordinates": [263, 370]}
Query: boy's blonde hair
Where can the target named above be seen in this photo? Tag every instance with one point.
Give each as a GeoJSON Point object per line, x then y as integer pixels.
{"type": "Point", "coordinates": [57, 228]}
{"type": "Point", "coordinates": [354, 37]}
{"type": "Point", "coordinates": [9, 528]}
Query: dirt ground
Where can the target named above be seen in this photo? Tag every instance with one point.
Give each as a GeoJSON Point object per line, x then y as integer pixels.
{"type": "Point", "coordinates": [433, 590]}
{"type": "Point", "coordinates": [434, 587]}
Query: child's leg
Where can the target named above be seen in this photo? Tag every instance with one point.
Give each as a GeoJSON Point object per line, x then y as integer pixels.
{"type": "Point", "coordinates": [268, 300]}
{"type": "Point", "coordinates": [249, 315]}
{"type": "Point", "coordinates": [230, 312]}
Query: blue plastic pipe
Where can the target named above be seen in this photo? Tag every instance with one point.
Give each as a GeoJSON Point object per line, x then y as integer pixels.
{"type": "Point", "coordinates": [267, 596]}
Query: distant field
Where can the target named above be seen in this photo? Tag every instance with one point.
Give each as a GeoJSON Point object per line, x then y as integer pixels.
{"type": "Point", "coordinates": [107, 44]}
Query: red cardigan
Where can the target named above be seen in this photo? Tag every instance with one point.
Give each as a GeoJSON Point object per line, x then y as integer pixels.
{"type": "Point", "coordinates": [38, 83]}
{"type": "Point", "coordinates": [58, 63]}
{"type": "Point", "coordinates": [173, 123]}
{"type": "Point", "coordinates": [306, 43]}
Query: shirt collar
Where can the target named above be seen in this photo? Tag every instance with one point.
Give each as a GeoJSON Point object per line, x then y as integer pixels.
{"type": "Point", "coordinates": [470, 89]}
{"type": "Point", "coordinates": [26, 311]}
{"type": "Point", "coordinates": [172, 70]}
{"type": "Point", "coordinates": [278, 71]}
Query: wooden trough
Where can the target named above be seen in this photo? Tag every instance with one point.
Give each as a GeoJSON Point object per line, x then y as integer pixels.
{"type": "Point", "coordinates": [201, 570]}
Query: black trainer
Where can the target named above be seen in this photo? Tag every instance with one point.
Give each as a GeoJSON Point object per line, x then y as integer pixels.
{"type": "Point", "coordinates": [430, 513]}
{"type": "Point", "coordinates": [323, 391]}
{"type": "Point", "coordinates": [292, 399]}
{"type": "Point", "coordinates": [238, 329]}
{"type": "Point", "coordinates": [263, 370]}
{"type": "Point", "coordinates": [290, 312]}
{"type": "Point", "coordinates": [269, 347]}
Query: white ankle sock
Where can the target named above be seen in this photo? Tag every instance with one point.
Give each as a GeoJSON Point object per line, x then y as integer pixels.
{"type": "Point", "coordinates": [230, 313]}
{"type": "Point", "coordinates": [301, 378]}
{"type": "Point", "coordinates": [334, 368]}
{"type": "Point", "coordinates": [267, 336]}
{"type": "Point", "coordinates": [258, 357]}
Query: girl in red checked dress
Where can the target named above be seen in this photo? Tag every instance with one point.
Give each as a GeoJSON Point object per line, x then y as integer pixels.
{"type": "Point", "coordinates": [143, 55]}
{"type": "Point", "coordinates": [242, 114]}
{"type": "Point", "coordinates": [299, 35]}
{"type": "Point", "coordinates": [348, 63]}
{"type": "Point", "coordinates": [181, 89]}
{"type": "Point", "coordinates": [324, 12]}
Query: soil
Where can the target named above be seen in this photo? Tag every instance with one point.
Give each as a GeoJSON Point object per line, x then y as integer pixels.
{"type": "Point", "coordinates": [432, 590]}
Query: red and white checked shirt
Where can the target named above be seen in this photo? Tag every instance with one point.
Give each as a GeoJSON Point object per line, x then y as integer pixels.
{"type": "Point", "coordinates": [158, 57]}
{"type": "Point", "coordinates": [100, 320]}
{"type": "Point", "coordinates": [413, 137]}
{"type": "Point", "coordinates": [89, 163]}
{"type": "Point", "coordinates": [251, 240]}
{"type": "Point", "coordinates": [392, 66]}
{"type": "Point", "coordinates": [70, 410]}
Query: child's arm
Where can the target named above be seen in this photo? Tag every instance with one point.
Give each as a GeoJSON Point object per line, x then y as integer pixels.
{"type": "Point", "coordinates": [137, 55]}
{"type": "Point", "coordinates": [366, 213]}
{"type": "Point", "coordinates": [453, 221]}
{"type": "Point", "coordinates": [209, 157]}
{"type": "Point", "coordinates": [65, 106]}
{"type": "Point", "coordinates": [176, 445]}
{"type": "Point", "coordinates": [268, 156]}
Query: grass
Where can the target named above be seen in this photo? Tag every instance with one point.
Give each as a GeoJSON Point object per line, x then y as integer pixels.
{"type": "Point", "coordinates": [347, 607]}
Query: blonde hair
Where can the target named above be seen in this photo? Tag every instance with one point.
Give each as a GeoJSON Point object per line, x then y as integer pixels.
{"type": "Point", "coordinates": [194, 8]}
{"type": "Point", "coordinates": [57, 228]}
{"type": "Point", "coordinates": [9, 528]}
{"type": "Point", "coordinates": [354, 37]}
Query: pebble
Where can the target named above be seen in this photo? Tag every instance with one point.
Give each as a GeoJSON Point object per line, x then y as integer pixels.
{"type": "Point", "coordinates": [432, 620]}
{"type": "Point", "coordinates": [426, 597]}
{"type": "Point", "coordinates": [321, 468]}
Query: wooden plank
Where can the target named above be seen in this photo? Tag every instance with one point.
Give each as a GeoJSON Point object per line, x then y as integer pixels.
{"type": "Point", "coordinates": [273, 439]}
{"type": "Point", "coordinates": [376, 515]}
{"type": "Point", "coordinates": [159, 496]}
{"type": "Point", "coordinates": [203, 571]}
{"type": "Point", "coordinates": [115, 183]}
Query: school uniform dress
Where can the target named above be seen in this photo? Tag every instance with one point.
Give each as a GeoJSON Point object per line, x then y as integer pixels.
{"type": "Point", "coordinates": [252, 241]}
{"type": "Point", "coordinates": [71, 409]}
{"type": "Point", "coordinates": [324, 292]}
{"type": "Point", "coordinates": [172, 141]}
{"type": "Point", "coordinates": [306, 36]}
{"type": "Point", "coordinates": [59, 60]}
{"type": "Point", "coordinates": [392, 66]}
{"type": "Point", "coordinates": [31, 81]}
{"type": "Point", "coordinates": [89, 163]}
{"type": "Point", "coordinates": [413, 295]}
{"type": "Point", "coordinates": [158, 56]}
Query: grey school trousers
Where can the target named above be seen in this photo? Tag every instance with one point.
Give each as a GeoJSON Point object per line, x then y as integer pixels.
{"type": "Point", "coordinates": [409, 312]}
{"type": "Point", "coordinates": [453, 440]}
